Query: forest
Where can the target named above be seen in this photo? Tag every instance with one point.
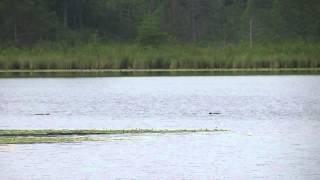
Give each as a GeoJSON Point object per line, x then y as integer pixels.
{"type": "Point", "coordinates": [41, 34]}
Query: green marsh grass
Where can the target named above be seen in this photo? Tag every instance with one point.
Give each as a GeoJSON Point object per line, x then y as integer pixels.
{"type": "Point", "coordinates": [167, 56]}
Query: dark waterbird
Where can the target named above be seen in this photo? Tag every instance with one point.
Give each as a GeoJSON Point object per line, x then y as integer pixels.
{"type": "Point", "coordinates": [214, 113]}
{"type": "Point", "coordinates": [42, 114]}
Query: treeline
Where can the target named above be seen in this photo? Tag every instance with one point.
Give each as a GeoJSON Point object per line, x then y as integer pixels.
{"type": "Point", "coordinates": [27, 22]}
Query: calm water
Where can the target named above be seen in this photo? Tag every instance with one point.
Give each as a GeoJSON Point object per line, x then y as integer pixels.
{"type": "Point", "coordinates": [274, 123]}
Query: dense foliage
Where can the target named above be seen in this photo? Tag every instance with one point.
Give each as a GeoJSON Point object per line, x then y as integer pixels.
{"type": "Point", "coordinates": [26, 22]}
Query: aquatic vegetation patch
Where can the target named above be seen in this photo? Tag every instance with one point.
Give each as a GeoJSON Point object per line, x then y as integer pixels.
{"type": "Point", "coordinates": [49, 132]}
{"type": "Point", "coordinates": [38, 140]}
{"type": "Point", "coordinates": [70, 136]}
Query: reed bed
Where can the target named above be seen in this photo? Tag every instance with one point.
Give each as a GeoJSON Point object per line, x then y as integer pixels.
{"type": "Point", "coordinates": [168, 56]}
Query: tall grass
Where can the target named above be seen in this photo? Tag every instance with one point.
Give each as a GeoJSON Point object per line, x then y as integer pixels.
{"type": "Point", "coordinates": [169, 56]}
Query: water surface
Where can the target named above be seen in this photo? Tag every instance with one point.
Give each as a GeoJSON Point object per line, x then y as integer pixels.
{"type": "Point", "coordinates": [274, 123]}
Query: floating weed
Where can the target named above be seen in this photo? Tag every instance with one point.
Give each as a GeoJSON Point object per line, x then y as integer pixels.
{"type": "Point", "coordinates": [50, 132]}
{"type": "Point", "coordinates": [37, 140]}
{"type": "Point", "coordinates": [68, 136]}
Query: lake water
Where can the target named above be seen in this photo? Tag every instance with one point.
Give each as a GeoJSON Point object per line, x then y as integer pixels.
{"type": "Point", "coordinates": [274, 124]}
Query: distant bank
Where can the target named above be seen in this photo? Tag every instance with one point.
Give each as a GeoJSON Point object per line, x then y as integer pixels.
{"type": "Point", "coordinates": [154, 72]}
{"type": "Point", "coordinates": [158, 70]}
{"type": "Point", "coordinates": [120, 57]}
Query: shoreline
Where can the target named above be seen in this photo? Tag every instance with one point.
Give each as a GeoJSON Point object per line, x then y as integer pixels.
{"type": "Point", "coordinates": [158, 70]}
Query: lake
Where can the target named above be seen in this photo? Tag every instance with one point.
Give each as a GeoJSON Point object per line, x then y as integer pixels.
{"type": "Point", "coordinates": [274, 124]}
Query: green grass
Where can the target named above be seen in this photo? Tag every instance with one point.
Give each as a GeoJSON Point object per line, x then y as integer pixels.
{"type": "Point", "coordinates": [168, 56]}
